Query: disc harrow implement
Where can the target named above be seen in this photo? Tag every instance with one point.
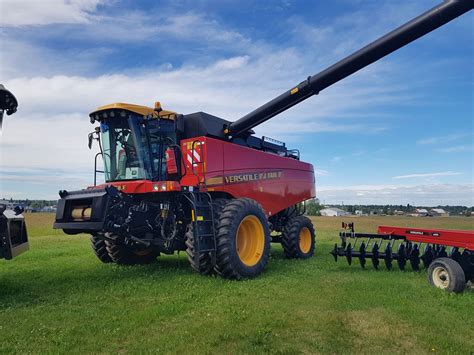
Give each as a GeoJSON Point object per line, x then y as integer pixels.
{"type": "Point", "coordinates": [408, 246]}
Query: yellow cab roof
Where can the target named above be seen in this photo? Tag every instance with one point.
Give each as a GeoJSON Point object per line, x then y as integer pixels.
{"type": "Point", "coordinates": [141, 110]}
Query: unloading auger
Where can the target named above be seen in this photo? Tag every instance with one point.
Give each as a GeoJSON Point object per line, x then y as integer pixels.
{"type": "Point", "coordinates": [447, 254]}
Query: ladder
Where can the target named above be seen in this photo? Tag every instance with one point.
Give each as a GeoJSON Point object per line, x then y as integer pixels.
{"type": "Point", "coordinates": [202, 217]}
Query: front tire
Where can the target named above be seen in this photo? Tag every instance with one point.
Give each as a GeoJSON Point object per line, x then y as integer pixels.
{"type": "Point", "coordinates": [124, 255]}
{"type": "Point", "coordinates": [298, 239]}
{"type": "Point", "coordinates": [243, 240]}
{"type": "Point", "coordinates": [205, 266]}
{"type": "Point", "coordinates": [100, 249]}
{"type": "Point", "coordinates": [447, 274]}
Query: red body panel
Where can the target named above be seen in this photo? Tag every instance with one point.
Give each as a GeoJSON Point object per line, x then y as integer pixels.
{"type": "Point", "coordinates": [453, 238]}
{"type": "Point", "coordinates": [275, 182]}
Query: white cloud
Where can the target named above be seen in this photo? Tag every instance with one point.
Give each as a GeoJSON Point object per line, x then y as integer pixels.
{"type": "Point", "coordinates": [45, 12]}
{"type": "Point", "coordinates": [443, 139]}
{"type": "Point", "coordinates": [321, 172]}
{"type": "Point", "coordinates": [456, 149]}
{"type": "Point", "coordinates": [57, 142]}
{"type": "Point", "coordinates": [422, 195]}
{"type": "Point", "coordinates": [427, 175]}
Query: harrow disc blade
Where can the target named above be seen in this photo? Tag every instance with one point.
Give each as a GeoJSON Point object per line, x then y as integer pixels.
{"type": "Point", "coordinates": [334, 252]}
{"type": "Point", "coordinates": [349, 254]}
{"type": "Point", "coordinates": [427, 256]}
{"type": "Point", "coordinates": [442, 252]}
{"type": "Point", "coordinates": [402, 257]}
{"type": "Point", "coordinates": [375, 256]}
{"type": "Point", "coordinates": [388, 257]}
{"type": "Point", "coordinates": [415, 258]}
{"type": "Point", "coordinates": [455, 254]}
{"type": "Point", "coordinates": [362, 254]}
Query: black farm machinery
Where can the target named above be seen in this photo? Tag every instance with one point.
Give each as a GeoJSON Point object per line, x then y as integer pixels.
{"type": "Point", "coordinates": [447, 254]}
{"type": "Point", "coordinates": [13, 235]}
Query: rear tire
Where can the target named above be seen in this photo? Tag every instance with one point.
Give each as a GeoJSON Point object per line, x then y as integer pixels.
{"type": "Point", "coordinates": [100, 249]}
{"type": "Point", "coordinates": [123, 255]}
{"type": "Point", "coordinates": [447, 274]}
{"type": "Point", "coordinates": [298, 239]}
{"type": "Point", "coordinates": [205, 266]}
{"type": "Point", "coordinates": [243, 240]}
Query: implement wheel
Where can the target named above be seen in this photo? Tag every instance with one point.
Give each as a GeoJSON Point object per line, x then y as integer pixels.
{"type": "Point", "coordinates": [298, 240]}
{"type": "Point", "coordinates": [124, 255]}
{"type": "Point", "coordinates": [243, 240]}
{"type": "Point", "coordinates": [205, 266]}
{"type": "Point", "coordinates": [100, 250]}
{"type": "Point", "coordinates": [447, 274]}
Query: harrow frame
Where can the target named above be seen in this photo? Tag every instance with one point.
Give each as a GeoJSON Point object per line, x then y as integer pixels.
{"type": "Point", "coordinates": [407, 245]}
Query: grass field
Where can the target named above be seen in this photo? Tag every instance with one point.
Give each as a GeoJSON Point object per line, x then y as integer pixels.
{"type": "Point", "coordinates": [59, 298]}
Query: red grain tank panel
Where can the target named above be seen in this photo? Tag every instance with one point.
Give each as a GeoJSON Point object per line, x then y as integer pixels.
{"type": "Point", "coordinates": [275, 182]}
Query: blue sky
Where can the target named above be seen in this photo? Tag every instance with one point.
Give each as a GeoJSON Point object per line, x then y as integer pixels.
{"type": "Point", "coordinates": [400, 131]}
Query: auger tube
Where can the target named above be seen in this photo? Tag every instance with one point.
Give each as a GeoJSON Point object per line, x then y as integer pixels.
{"type": "Point", "coordinates": [392, 41]}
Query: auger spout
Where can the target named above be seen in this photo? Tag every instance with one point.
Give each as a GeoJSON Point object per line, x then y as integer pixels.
{"type": "Point", "coordinates": [392, 41]}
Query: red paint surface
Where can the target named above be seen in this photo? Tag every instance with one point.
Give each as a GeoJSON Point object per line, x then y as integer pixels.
{"type": "Point", "coordinates": [214, 158]}
{"type": "Point", "coordinates": [453, 238]}
{"type": "Point", "coordinates": [221, 159]}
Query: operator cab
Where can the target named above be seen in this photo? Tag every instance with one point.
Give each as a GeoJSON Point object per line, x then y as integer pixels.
{"type": "Point", "coordinates": [133, 141]}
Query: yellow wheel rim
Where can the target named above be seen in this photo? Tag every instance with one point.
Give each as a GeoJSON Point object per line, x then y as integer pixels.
{"type": "Point", "coordinates": [305, 240]}
{"type": "Point", "coordinates": [250, 240]}
{"type": "Point", "coordinates": [440, 277]}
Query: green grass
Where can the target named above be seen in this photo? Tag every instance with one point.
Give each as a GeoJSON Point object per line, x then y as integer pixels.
{"type": "Point", "coordinates": [59, 298]}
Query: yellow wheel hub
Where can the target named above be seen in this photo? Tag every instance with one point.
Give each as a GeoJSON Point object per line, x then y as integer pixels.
{"type": "Point", "coordinates": [305, 240]}
{"type": "Point", "coordinates": [250, 240]}
{"type": "Point", "coordinates": [440, 277]}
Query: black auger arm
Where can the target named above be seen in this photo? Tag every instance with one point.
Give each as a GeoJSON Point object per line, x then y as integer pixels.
{"type": "Point", "coordinates": [403, 35]}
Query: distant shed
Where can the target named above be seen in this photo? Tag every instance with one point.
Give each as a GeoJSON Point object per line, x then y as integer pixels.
{"type": "Point", "coordinates": [333, 212]}
{"type": "Point", "coordinates": [439, 212]}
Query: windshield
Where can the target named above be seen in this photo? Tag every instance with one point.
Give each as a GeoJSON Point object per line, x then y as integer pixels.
{"type": "Point", "coordinates": [134, 149]}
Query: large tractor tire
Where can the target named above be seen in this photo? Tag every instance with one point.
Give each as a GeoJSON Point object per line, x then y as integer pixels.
{"type": "Point", "coordinates": [100, 249]}
{"type": "Point", "coordinates": [123, 255]}
{"type": "Point", "coordinates": [298, 239]}
{"type": "Point", "coordinates": [447, 274]}
{"type": "Point", "coordinates": [205, 266]}
{"type": "Point", "coordinates": [243, 240]}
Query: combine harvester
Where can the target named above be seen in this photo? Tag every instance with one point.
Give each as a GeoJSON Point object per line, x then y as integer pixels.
{"type": "Point", "coordinates": [207, 185]}
{"type": "Point", "coordinates": [447, 254]}
{"type": "Point", "coordinates": [13, 235]}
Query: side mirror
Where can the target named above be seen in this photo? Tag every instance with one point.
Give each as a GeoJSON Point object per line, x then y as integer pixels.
{"type": "Point", "coordinates": [8, 101]}
{"type": "Point", "coordinates": [91, 138]}
{"type": "Point", "coordinates": [171, 166]}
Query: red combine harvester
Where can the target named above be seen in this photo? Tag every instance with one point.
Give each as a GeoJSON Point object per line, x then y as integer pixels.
{"type": "Point", "coordinates": [207, 185]}
{"type": "Point", "coordinates": [448, 254]}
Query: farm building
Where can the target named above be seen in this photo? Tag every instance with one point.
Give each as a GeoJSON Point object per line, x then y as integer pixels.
{"type": "Point", "coordinates": [7, 203]}
{"type": "Point", "coordinates": [439, 212]}
{"type": "Point", "coordinates": [333, 212]}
